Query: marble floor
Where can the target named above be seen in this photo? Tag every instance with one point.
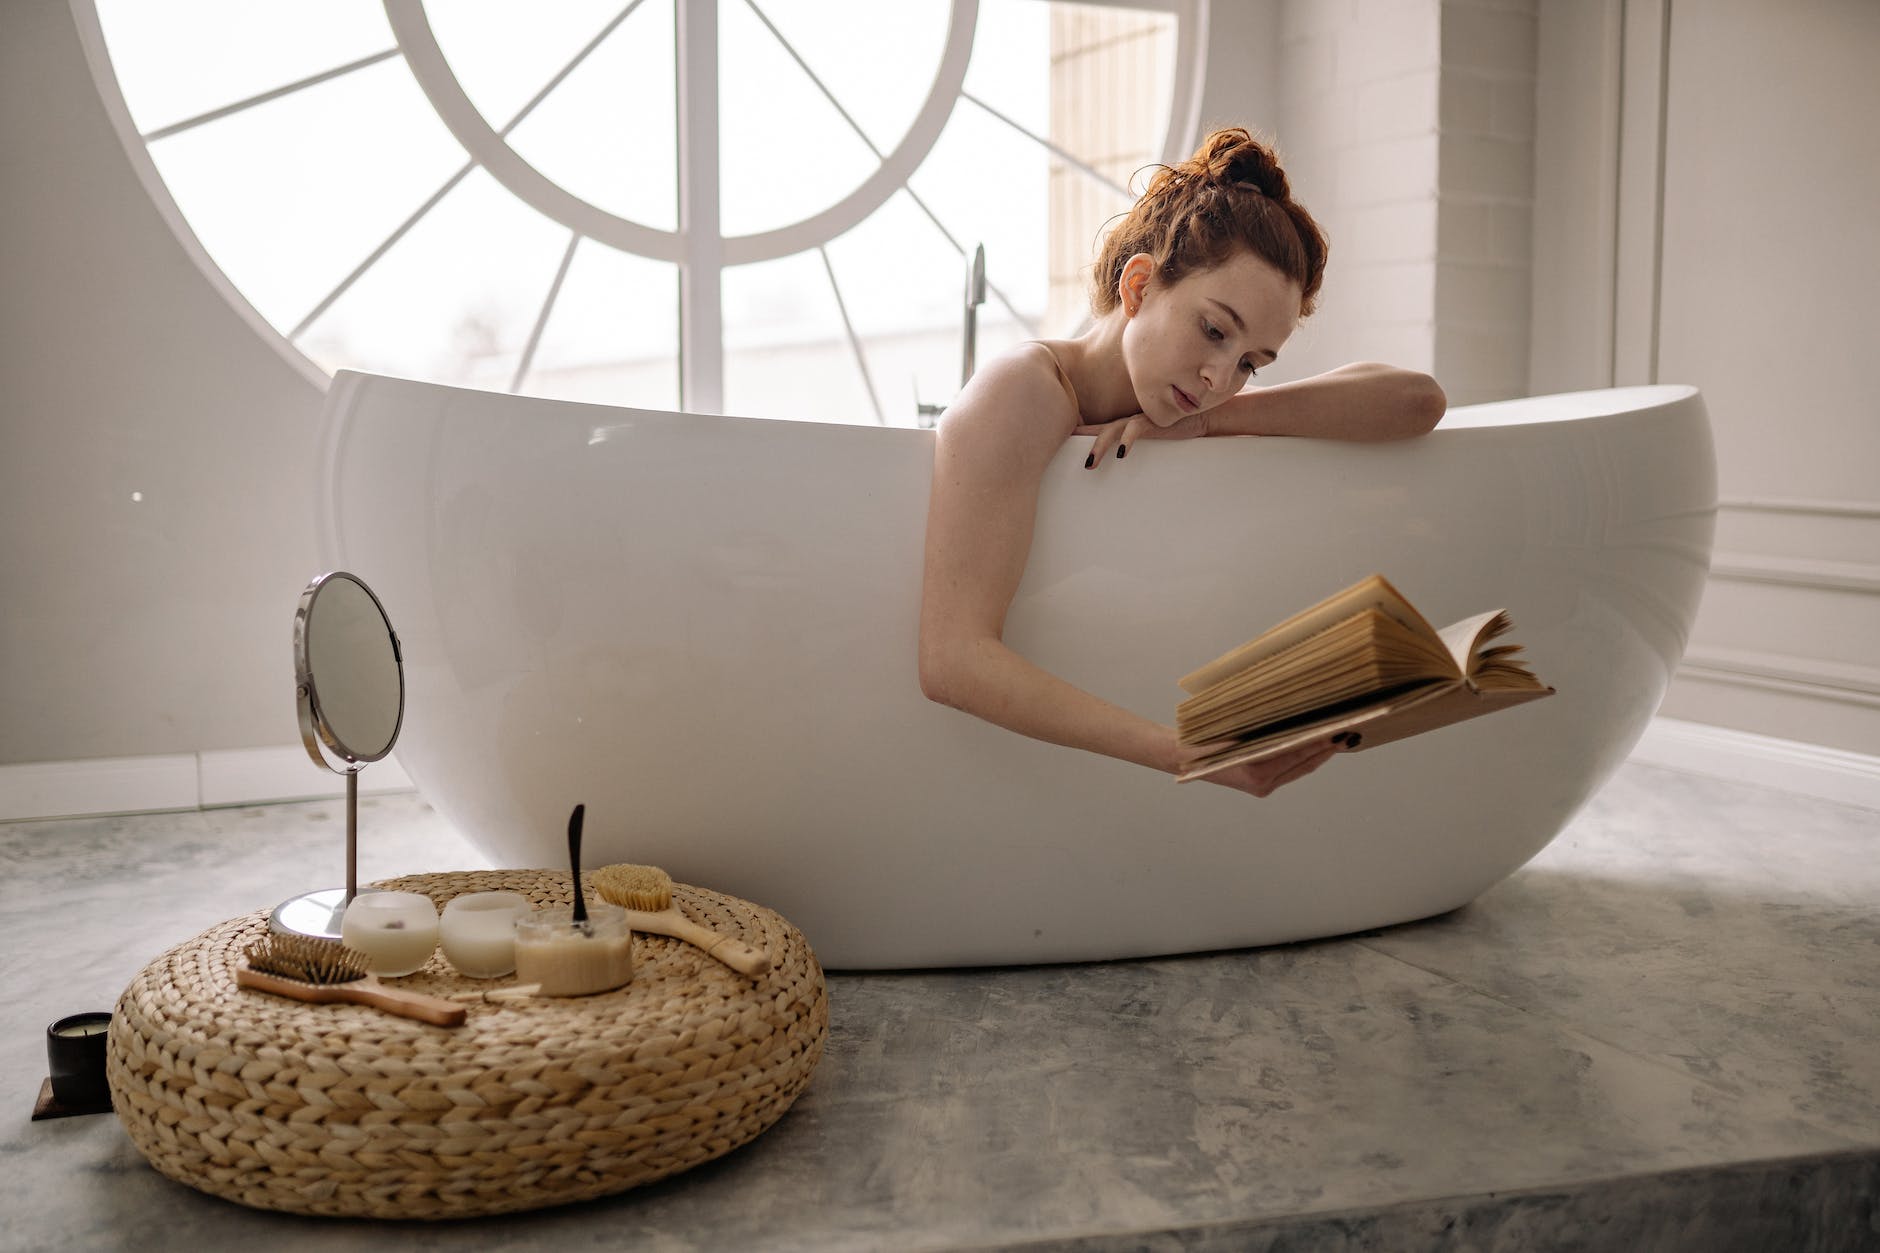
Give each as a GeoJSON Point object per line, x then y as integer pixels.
{"type": "Point", "coordinates": [1663, 1033]}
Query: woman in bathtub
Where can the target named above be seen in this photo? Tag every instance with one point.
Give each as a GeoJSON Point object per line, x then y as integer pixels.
{"type": "Point", "coordinates": [1196, 289]}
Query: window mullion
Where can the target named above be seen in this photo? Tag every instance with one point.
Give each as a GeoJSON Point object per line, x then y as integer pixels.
{"type": "Point", "coordinates": [541, 319]}
{"type": "Point", "coordinates": [701, 288]}
{"type": "Point", "coordinates": [229, 110]}
{"type": "Point", "coordinates": [855, 341]}
{"type": "Point", "coordinates": [1075, 162]}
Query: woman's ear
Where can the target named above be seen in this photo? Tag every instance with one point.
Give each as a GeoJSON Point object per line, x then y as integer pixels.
{"type": "Point", "coordinates": [1134, 281]}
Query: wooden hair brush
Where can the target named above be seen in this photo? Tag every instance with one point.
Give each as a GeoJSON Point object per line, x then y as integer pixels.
{"type": "Point", "coordinates": [319, 971]}
{"type": "Point", "coordinates": [645, 892]}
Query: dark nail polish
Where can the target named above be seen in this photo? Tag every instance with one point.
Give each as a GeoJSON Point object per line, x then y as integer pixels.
{"type": "Point", "coordinates": [1090, 461]}
{"type": "Point", "coordinates": [1353, 741]}
{"type": "Point", "coordinates": [1120, 450]}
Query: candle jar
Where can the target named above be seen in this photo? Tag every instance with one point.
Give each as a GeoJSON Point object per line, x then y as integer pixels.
{"type": "Point", "coordinates": [397, 931]}
{"type": "Point", "coordinates": [478, 931]}
{"type": "Point", "coordinates": [574, 959]}
{"type": "Point", "coordinates": [75, 1052]}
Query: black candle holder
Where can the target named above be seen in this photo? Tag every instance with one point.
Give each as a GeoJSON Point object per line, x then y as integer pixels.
{"type": "Point", "coordinates": [75, 1051]}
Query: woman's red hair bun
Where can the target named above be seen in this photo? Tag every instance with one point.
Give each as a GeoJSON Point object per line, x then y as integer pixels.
{"type": "Point", "coordinates": [1231, 194]}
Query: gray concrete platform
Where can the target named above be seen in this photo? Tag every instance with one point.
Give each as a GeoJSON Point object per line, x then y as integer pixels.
{"type": "Point", "coordinates": [1663, 1033]}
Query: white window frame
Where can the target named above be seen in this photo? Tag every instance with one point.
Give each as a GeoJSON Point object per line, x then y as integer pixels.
{"type": "Point", "coordinates": [698, 248]}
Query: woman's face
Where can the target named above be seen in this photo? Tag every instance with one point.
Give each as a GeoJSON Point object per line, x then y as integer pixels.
{"type": "Point", "coordinates": [1190, 345]}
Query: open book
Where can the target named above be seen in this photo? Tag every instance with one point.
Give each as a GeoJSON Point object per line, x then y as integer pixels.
{"type": "Point", "coordinates": [1363, 664]}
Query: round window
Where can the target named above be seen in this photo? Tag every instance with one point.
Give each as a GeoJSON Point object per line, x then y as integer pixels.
{"type": "Point", "coordinates": [749, 206]}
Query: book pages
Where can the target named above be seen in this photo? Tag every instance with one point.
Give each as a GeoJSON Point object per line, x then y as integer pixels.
{"type": "Point", "coordinates": [1413, 713]}
{"type": "Point", "coordinates": [1368, 654]}
{"type": "Point", "coordinates": [1362, 662]}
{"type": "Point", "coordinates": [1373, 593]}
{"type": "Point", "coordinates": [1464, 639]}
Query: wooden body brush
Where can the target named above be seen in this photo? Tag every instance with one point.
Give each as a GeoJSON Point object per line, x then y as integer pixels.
{"type": "Point", "coordinates": [320, 971]}
{"type": "Point", "coordinates": [646, 894]}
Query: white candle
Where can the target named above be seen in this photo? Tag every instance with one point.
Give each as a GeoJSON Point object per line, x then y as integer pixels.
{"type": "Point", "coordinates": [478, 931]}
{"type": "Point", "coordinates": [397, 931]}
{"type": "Point", "coordinates": [574, 959]}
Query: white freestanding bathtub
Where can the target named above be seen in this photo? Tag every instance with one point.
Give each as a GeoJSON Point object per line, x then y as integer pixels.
{"type": "Point", "coordinates": [704, 628]}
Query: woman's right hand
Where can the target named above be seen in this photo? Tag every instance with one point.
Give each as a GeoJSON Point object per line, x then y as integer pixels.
{"type": "Point", "coordinates": [1263, 778]}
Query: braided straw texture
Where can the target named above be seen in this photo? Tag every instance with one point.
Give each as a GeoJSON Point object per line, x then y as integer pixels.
{"type": "Point", "coordinates": [346, 1110]}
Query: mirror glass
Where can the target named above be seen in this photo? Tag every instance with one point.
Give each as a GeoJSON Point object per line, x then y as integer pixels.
{"type": "Point", "coordinates": [351, 677]}
{"type": "Point", "coordinates": [349, 681]}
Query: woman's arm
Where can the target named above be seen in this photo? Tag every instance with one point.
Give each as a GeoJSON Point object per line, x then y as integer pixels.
{"type": "Point", "coordinates": [1363, 401]}
{"type": "Point", "coordinates": [989, 457]}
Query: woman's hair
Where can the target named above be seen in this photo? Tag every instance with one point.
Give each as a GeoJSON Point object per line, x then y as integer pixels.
{"type": "Point", "coordinates": [1230, 195]}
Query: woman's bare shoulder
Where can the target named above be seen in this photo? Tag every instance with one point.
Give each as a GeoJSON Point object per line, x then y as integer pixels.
{"type": "Point", "coordinates": [1018, 395]}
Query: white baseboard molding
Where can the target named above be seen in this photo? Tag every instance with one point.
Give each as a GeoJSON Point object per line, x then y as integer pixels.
{"type": "Point", "coordinates": [260, 776]}
{"type": "Point", "coordinates": [1744, 757]}
{"type": "Point", "coordinates": [206, 780]}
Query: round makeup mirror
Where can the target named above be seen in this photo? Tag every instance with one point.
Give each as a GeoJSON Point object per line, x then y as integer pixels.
{"type": "Point", "coordinates": [348, 673]}
{"type": "Point", "coordinates": [349, 684]}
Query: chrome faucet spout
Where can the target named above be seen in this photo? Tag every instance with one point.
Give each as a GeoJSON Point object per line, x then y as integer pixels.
{"type": "Point", "coordinates": [975, 296]}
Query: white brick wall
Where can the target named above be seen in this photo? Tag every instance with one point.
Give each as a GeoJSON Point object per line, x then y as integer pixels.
{"type": "Point", "coordinates": [1407, 127]}
{"type": "Point", "coordinates": [1360, 91]}
{"type": "Point", "coordinates": [1486, 198]}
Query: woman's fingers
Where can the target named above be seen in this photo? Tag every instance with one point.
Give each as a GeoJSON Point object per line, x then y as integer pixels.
{"type": "Point", "coordinates": [1110, 435]}
{"type": "Point", "coordinates": [1283, 770]}
{"type": "Point", "coordinates": [1264, 778]}
{"type": "Point", "coordinates": [1116, 439]}
{"type": "Point", "coordinates": [1301, 769]}
{"type": "Point", "coordinates": [1132, 430]}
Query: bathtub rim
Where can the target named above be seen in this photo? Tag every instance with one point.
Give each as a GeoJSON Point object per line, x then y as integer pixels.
{"type": "Point", "coordinates": [1591, 403]}
{"type": "Point", "coordinates": [1559, 409]}
{"type": "Point", "coordinates": [1552, 411]}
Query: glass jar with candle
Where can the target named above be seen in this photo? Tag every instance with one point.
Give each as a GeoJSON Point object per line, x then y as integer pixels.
{"type": "Point", "coordinates": [478, 931]}
{"type": "Point", "coordinates": [571, 958]}
{"type": "Point", "coordinates": [397, 931]}
{"type": "Point", "coordinates": [75, 1047]}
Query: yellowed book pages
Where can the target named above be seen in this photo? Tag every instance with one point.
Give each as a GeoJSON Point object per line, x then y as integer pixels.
{"type": "Point", "coordinates": [1364, 661]}
{"type": "Point", "coordinates": [1369, 653]}
{"type": "Point", "coordinates": [1373, 592]}
{"type": "Point", "coordinates": [1426, 709]}
{"type": "Point", "coordinates": [1343, 660]}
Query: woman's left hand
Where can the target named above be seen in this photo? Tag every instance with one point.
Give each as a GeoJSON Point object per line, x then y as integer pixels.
{"type": "Point", "coordinates": [1123, 433]}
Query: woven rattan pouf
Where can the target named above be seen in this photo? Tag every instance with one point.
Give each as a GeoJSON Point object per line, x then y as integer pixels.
{"type": "Point", "coordinates": [346, 1110]}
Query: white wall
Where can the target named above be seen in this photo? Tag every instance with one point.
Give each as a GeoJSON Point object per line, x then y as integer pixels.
{"type": "Point", "coordinates": [1408, 127]}
{"type": "Point", "coordinates": [1576, 177]}
{"type": "Point", "coordinates": [1484, 242]}
{"type": "Point", "coordinates": [131, 627]}
{"type": "Point", "coordinates": [1358, 124]}
{"type": "Point", "coordinates": [161, 626]}
{"type": "Point", "coordinates": [1770, 298]}
{"type": "Point", "coordinates": [1717, 228]}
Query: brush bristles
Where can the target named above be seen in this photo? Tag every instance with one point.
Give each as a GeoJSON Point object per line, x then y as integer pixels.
{"type": "Point", "coordinates": [646, 888]}
{"type": "Point", "coordinates": [307, 959]}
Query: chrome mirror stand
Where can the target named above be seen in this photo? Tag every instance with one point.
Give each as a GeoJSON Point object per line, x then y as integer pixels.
{"type": "Point", "coordinates": [349, 686]}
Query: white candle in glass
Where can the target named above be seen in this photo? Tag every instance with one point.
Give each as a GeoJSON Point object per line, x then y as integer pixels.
{"type": "Point", "coordinates": [397, 931]}
{"type": "Point", "coordinates": [478, 931]}
{"type": "Point", "coordinates": [574, 959]}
